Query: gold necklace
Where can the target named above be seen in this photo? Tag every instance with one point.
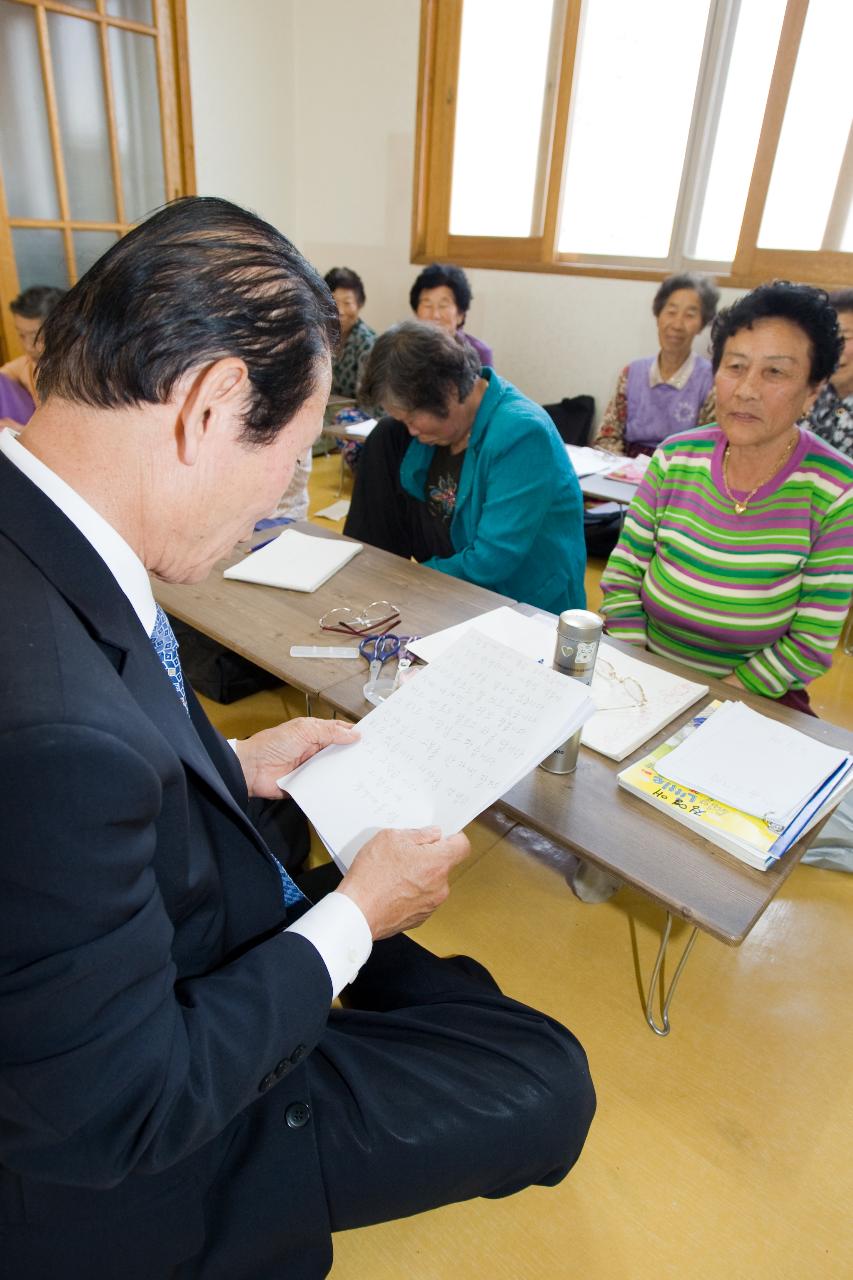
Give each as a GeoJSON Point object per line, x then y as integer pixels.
{"type": "Point", "coordinates": [740, 505]}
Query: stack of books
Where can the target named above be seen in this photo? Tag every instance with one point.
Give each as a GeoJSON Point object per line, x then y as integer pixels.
{"type": "Point", "coordinates": [747, 783]}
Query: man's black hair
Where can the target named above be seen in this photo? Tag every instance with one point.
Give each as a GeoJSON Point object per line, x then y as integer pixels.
{"type": "Point", "coordinates": [802, 304]}
{"type": "Point", "coordinates": [345, 278]}
{"type": "Point", "coordinates": [709, 294]}
{"type": "Point", "coordinates": [37, 302]}
{"type": "Point", "coordinates": [200, 280]}
{"type": "Point", "coordinates": [438, 274]}
{"type": "Point", "coordinates": [417, 366]}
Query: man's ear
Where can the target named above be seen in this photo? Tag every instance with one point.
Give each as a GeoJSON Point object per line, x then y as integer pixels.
{"type": "Point", "coordinates": [207, 398]}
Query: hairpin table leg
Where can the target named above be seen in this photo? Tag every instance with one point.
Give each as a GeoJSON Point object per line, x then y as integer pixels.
{"type": "Point", "coordinates": [664, 1028]}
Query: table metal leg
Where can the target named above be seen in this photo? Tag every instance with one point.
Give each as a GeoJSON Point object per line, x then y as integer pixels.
{"type": "Point", "coordinates": [308, 705]}
{"type": "Point", "coordinates": [663, 1029]}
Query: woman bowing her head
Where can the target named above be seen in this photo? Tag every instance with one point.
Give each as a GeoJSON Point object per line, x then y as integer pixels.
{"type": "Point", "coordinates": [737, 552]}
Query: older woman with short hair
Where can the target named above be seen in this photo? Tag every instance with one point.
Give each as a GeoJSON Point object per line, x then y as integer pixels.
{"type": "Point", "coordinates": [659, 395]}
{"type": "Point", "coordinates": [442, 295]}
{"type": "Point", "coordinates": [356, 337]}
{"type": "Point", "coordinates": [737, 553]}
{"type": "Point", "coordinates": [466, 474]}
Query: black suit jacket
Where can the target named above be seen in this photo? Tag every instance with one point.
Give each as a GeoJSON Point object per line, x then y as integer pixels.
{"type": "Point", "coordinates": [152, 1012]}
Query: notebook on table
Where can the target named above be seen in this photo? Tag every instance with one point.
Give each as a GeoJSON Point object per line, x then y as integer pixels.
{"type": "Point", "coordinates": [294, 561]}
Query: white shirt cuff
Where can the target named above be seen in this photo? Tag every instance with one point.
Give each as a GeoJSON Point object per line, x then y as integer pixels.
{"type": "Point", "coordinates": [339, 931]}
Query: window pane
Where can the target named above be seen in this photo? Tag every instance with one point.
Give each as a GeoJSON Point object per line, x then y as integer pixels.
{"type": "Point", "coordinates": [134, 70]}
{"type": "Point", "coordinates": [24, 139]}
{"type": "Point", "coordinates": [89, 246]}
{"type": "Point", "coordinates": [133, 10]}
{"type": "Point", "coordinates": [39, 257]}
{"type": "Point", "coordinates": [635, 82]}
{"type": "Point", "coordinates": [739, 128]}
{"type": "Point", "coordinates": [846, 245]}
{"type": "Point", "coordinates": [502, 72]}
{"type": "Point", "coordinates": [76, 57]}
{"type": "Point", "coordinates": [814, 132]}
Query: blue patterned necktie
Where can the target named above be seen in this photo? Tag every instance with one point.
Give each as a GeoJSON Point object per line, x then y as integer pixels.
{"type": "Point", "coordinates": [166, 647]}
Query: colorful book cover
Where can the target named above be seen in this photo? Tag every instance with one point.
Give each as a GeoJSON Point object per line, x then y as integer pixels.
{"type": "Point", "coordinates": [730, 828]}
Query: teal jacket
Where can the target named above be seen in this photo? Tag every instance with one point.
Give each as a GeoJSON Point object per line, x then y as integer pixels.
{"type": "Point", "coordinates": [518, 523]}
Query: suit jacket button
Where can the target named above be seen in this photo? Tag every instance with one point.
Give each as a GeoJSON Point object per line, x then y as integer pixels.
{"type": "Point", "coordinates": [281, 1068]}
{"type": "Point", "coordinates": [297, 1055]}
{"type": "Point", "coordinates": [268, 1082]}
{"type": "Point", "coordinates": [297, 1114]}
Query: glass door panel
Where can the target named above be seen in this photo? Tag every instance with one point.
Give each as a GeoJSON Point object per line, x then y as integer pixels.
{"type": "Point", "coordinates": [25, 152]}
{"type": "Point", "coordinates": [81, 104]}
{"type": "Point", "coordinates": [137, 115]}
{"type": "Point", "coordinates": [131, 10]}
{"type": "Point", "coordinates": [40, 257]}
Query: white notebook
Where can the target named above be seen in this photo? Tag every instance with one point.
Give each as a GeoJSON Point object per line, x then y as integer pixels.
{"type": "Point", "coordinates": [634, 700]}
{"type": "Point", "coordinates": [295, 561]}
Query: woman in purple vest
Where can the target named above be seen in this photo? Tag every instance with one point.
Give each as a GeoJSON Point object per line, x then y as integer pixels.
{"type": "Point", "coordinates": [674, 390]}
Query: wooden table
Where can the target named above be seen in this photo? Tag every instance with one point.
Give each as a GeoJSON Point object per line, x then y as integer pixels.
{"type": "Point", "coordinates": [261, 623]}
{"type": "Point", "coordinates": [585, 811]}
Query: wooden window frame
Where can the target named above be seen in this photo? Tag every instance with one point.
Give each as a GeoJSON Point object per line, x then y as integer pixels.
{"type": "Point", "coordinates": [440, 40]}
{"type": "Point", "coordinates": [169, 32]}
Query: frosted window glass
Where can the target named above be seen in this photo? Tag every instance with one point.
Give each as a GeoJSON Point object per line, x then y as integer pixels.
{"type": "Point", "coordinates": [39, 257]}
{"type": "Point", "coordinates": [82, 111]}
{"type": "Point", "coordinates": [635, 82]}
{"type": "Point", "coordinates": [137, 110]}
{"type": "Point", "coordinates": [814, 131]}
{"type": "Point", "coordinates": [132, 10]}
{"type": "Point", "coordinates": [502, 73]}
{"type": "Point", "coordinates": [89, 246]}
{"type": "Point", "coordinates": [739, 128]}
{"type": "Point", "coordinates": [25, 152]}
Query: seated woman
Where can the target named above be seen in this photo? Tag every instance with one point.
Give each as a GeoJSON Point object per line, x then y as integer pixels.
{"type": "Point", "coordinates": [831, 415]}
{"type": "Point", "coordinates": [442, 295]}
{"type": "Point", "coordinates": [29, 311]}
{"type": "Point", "coordinates": [356, 337]}
{"type": "Point", "coordinates": [737, 552]}
{"type": "Point", "coordinates": [673, 390]}
{"type": "Point", "coordinates": [466, 475]}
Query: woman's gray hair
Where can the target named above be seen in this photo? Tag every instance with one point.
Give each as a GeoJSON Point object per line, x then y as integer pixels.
{"type": "Point", "coordinates": [416, 366]}
{"type": "Point", "coordinates": [709, 294]}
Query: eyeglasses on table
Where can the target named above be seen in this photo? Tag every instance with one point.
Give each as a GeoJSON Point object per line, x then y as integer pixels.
{"type": "Point", "coordinates": [379, 616]}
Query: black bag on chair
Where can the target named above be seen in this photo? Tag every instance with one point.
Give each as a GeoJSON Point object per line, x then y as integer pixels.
{"type": "Point", "coordinates": [573, 418]}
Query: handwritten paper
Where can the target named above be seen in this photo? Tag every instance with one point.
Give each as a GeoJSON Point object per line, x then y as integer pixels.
{"type": "Point", "coordinates": [447, 745]}
{"type": "Point", "coordinates": [534, 637]}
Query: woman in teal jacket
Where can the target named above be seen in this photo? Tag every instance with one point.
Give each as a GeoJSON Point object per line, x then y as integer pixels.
{"type": "Point", "coordinates": [466, 474]}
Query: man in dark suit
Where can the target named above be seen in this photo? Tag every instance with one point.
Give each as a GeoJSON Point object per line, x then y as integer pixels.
{"type": "Point", "coordinates": [177, 1095]}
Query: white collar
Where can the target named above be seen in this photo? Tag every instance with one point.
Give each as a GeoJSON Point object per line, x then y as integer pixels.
{"type": "Point", "coordinates": [121, 560]}
{"type": "Point", "coordinates": [679, 379]}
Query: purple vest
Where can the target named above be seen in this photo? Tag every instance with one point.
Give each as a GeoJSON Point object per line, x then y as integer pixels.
{"type": "Point", "coordinates": [657, 412]}
{"type": "Point", "coordinates": [15, 402]}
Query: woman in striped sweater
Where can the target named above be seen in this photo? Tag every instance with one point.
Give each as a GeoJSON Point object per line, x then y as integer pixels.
{"type": "Point", "coordinates": [737, 552]}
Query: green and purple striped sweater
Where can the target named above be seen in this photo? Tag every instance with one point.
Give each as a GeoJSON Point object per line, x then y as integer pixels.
{"type": "Point", "coordinates": [763, 594]}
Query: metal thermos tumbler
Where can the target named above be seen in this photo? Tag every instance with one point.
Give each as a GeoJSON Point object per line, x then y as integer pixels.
{"type": "Point", "coordinates": [578, 634]}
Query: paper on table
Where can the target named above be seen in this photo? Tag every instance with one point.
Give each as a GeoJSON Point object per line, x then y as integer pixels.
{"type": "Point", "coordinates": [753, 763]}
{"type": "Point", "coordinates": [336, 511]}
{"type": "Point", "coordinates": [361, 430]}
{"type": "Point", "coordinates": [295, 561]}
{"type": "Point", "coordinates": [587, 462]}
{"type": "Point", "coordinates": [535, 637]}
{"type": "Point", "coordinates": [622, 723]}
{"type": "Point", "coordinates": [445, 747]}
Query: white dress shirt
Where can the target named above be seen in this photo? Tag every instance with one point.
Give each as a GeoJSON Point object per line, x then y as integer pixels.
{"type": "Point", "coordinates": [334, 925]}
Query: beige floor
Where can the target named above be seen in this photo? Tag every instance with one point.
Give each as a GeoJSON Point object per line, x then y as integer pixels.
{"type": "Point", "coordinates": [721, 1151]}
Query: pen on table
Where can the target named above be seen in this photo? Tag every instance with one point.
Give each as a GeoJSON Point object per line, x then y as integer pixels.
{"type": "Point", "coordinates": [258, 545]}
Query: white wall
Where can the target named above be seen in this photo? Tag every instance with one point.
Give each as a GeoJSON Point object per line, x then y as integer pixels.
{"type": "Point", "coordinates": [305, 111]}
